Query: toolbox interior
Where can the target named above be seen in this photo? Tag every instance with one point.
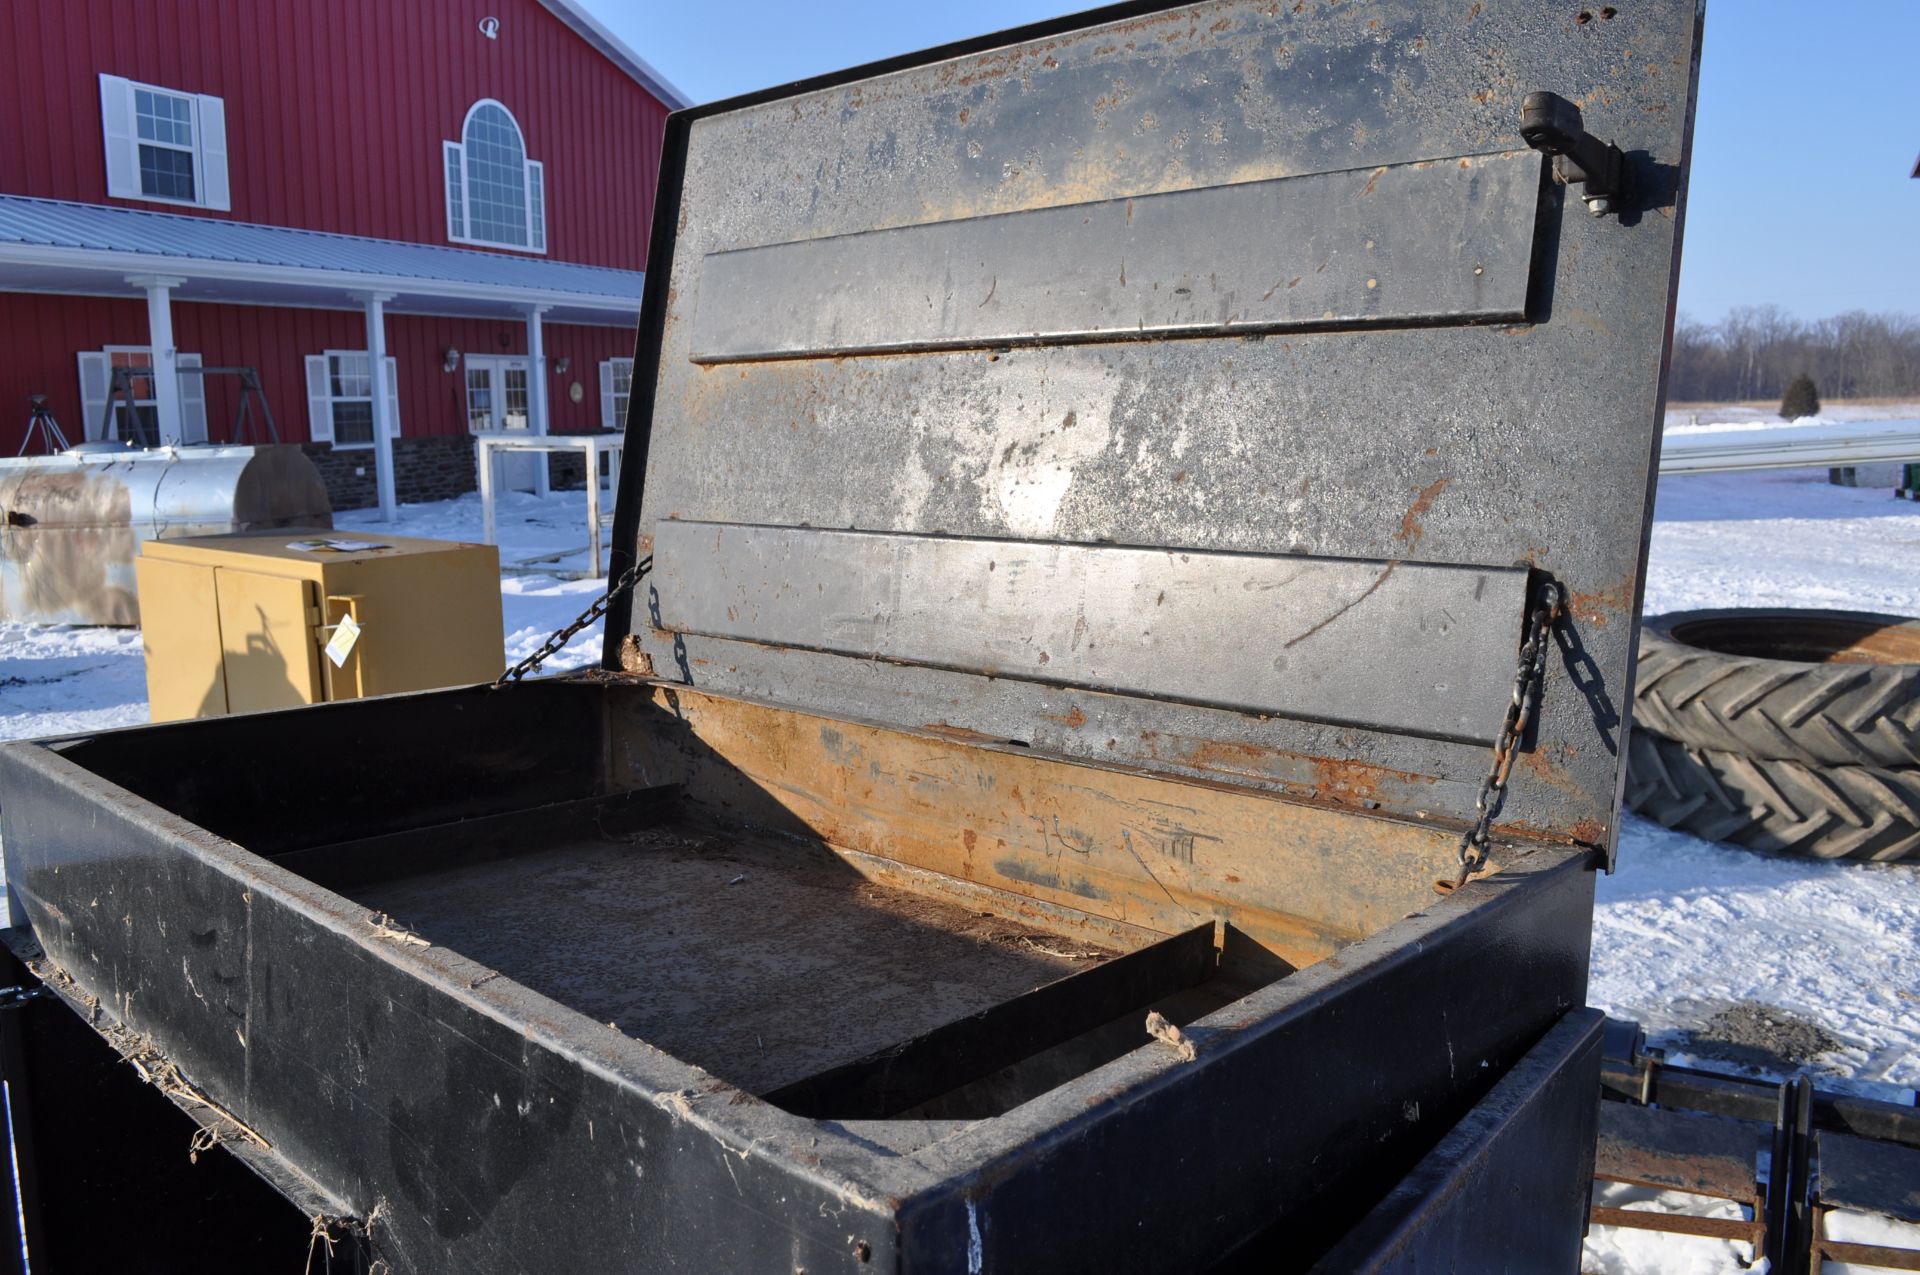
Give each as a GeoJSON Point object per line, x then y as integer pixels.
{"type": "Point", "coordinates": [849, 921]}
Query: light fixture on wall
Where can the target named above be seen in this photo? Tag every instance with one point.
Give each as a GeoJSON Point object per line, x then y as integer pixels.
{"type": "Point", "coordinates": [561, 364]}
{"type": "Point", "coordinates": [450, 359]}
{"type": "Point", "coordinates": [490, 27]}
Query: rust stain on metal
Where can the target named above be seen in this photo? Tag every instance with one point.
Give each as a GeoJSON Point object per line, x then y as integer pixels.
{"type": "Point", "coordinates": [1547, 771]}
{"type": "Point", "coordinates": [1603, 606]}
{"type": "Point", "coordinates": [1678, 1151]}
{"type": "Point", "coordinates": [1676, 1223]}
{"type": "Point", "coordinates": [1588, 831]}
{"type": "Point", "coordinates": [964, 734]}
{"type": "Point", "coordinates": [1072, 719]}
{"type": "Point", "coordinates": [1120, 845]}
{"type": "Point", "coordinates": [1338, 782]}
{"type": "Point", "coordinates": [1411, 528]}
{"type": "Point", "coordinates": [1346, 782]}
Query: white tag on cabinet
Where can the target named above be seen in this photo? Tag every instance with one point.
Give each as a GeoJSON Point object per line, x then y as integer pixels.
{"type": "Point", "coordinates": [340, 645]}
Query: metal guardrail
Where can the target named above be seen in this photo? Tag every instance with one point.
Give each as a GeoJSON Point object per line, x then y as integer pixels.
{"type": "Point", "coordinates": [1790, 447]}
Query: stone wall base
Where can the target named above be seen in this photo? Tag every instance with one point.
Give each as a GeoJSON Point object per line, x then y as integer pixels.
{"type": "Point", "coordinates": [423, 469]}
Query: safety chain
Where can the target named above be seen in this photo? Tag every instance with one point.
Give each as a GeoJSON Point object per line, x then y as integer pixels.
{"type": "Point", "coordinates": [1531, 668]}
{"type": "Point", "coordinates": [19, 994]}
{"type": "Point", "coordinates": [561, 637]}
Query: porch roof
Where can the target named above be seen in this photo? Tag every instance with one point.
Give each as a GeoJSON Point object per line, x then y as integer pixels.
{"type": "Point", "coordinates": [49, 245]}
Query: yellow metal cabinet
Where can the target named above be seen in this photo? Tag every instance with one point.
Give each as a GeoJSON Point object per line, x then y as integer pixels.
{"type": "Point", "coordinates": [239, 623]}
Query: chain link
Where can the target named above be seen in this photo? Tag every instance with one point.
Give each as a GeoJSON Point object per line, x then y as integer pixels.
{"type": "Point", "coordinates": [1531, 668]}
{"type": "Point", "coordinates": [561, 637]}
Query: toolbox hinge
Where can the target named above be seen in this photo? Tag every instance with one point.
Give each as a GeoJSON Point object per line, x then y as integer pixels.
{"type": "Point", "coordinates": [1552, 125]}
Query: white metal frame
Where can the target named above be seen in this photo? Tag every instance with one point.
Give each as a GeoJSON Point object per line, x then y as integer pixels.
{"type": "Point", "coordinates": [487, 448]}
{"type": "Point", "coordinates": [1791, 447]}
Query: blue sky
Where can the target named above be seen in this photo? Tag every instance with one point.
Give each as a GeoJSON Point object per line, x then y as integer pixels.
{"type": "Point", "coordinates": [1809, 123]}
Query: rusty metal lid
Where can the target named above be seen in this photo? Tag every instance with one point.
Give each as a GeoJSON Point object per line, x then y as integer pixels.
{"type": "Point", "coordinates": [1202, 389]}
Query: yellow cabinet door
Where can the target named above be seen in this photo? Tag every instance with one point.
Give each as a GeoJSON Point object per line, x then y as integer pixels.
{"type": "Point", "coordinates": [180, 635]}
{"type": "Point", "coordinates": [266, 635]}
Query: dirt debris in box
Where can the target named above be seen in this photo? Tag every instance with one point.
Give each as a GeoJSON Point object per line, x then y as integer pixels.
{"type": "Point", "coordinates": [727, 950]}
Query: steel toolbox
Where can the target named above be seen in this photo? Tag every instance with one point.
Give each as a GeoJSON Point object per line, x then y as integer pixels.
{"type": "Point", "coordinates": [1097, 485]}
{"type": "Point", "coordinates": [239, 623]}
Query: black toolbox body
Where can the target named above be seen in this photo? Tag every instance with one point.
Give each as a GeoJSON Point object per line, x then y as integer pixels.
{"type": "Point", "coordinates": [1095, 480]}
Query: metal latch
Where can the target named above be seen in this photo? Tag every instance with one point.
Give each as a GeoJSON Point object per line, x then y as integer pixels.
{"type": "Point", "coordinates": [1552, 125]}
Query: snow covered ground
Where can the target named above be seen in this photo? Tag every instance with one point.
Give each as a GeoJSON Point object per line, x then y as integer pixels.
{"type": "Point", "coordinates": [1748, 415]}
{"type": "Point", "coordinates": [58, 681]}
{"type": "Point", "coordinates": [1684, 931]}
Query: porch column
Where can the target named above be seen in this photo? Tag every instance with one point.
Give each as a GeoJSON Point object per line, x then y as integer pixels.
{"type": "Point", "coordinates": [383, 422]}
{"type": "Point", "coordinates": [166, 359]}
{"type": "Point", "coordinates": [537, 392]}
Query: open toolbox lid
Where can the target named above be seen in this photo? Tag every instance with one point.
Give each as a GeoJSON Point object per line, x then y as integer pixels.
{"type": "Point", "coordinates": [1205, 390]}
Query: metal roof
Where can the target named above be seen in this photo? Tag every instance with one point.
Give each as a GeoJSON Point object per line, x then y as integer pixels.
{"type": "Point", "coordinates": [617, 52]}
{"type": "Point", "coordinates": [169, 238]}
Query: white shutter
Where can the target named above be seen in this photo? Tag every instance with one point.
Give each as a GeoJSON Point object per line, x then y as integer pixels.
{"type": "Point", "coordinates": [212, 177]}
{"type": "Point", "coordinates": [456, 191]}
{"type": "Point", "coordinates": [606, 396]}
{"type": "Point", "coordinates": [116, 122]}
{"type": "Point", "coordinates": [319, 402]}
{"type": "Point", "coordinates": [94, 377]}
{"type": "Point", "coordinates": [393, 395]}
{"type": "Point", "coordinates": [193, 401]}
{"type": "Point", "coordinates": [537, 205]}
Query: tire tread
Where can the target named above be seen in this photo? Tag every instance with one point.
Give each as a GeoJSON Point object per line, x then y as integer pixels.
{"type": "Point", "coordinates": [1781, 807]}
{"type": "Point", "coordinates": [1777, 710]}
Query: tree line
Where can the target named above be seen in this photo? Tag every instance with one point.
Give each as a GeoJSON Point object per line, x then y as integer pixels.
{"type": "Point", "coordinates": [1756, 351]}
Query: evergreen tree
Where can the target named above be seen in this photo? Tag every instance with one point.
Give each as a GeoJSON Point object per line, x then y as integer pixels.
{"type": "Point", "coordinates": [1802, 399]}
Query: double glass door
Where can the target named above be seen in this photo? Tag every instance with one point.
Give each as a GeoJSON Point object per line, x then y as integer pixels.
{"type": "Point", "coordinates": [498, 398]}
{"type": "Point", "coordinates": [497, 394]}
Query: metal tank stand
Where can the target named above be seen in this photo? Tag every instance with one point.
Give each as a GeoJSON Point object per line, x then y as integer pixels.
{"type": "Point", "coordinates": [41, 425]}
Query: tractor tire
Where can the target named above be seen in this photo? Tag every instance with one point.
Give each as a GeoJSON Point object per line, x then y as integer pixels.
{"type": "Point", "coordinates": [1780, 807]}
{"type": "Point", "coordinates": [1824, 688]}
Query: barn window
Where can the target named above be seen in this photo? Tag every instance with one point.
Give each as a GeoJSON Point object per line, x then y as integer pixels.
{"type": "Point", "coordinates": [106, 411]}
{"type": "Point", "coordinates": [164, 146]}
{"type": "Point", "coordinates": [616, 386]}
{"type": "Point", "coordinates": [340, 397]}
{"type": "Point", "coordinates": [495, 195]}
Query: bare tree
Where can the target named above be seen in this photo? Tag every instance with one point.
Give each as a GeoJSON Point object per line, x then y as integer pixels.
{"type": "Point", "coordinates": [1755, 351]}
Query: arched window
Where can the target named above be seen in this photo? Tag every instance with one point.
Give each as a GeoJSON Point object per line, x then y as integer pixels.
{"type": "Point", "coordinates": [495, 194]}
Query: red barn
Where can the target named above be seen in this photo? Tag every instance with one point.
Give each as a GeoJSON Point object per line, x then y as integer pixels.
{"type": "Point", "coordinates": [427, 218]}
